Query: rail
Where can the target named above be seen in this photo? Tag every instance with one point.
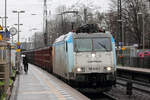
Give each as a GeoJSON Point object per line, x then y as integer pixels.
{"type": "Point", "coordinates": [139, 86]}
{"type": "Point", "coordinates": [109, 96]}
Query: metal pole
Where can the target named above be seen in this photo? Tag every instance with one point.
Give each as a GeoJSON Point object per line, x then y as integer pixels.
{"type": "Point", "coordinates": [18, 41]}
{"type": "Point", "coordinates": [18, 27]}
{"type": "Point", "coordinates": [85, 15]}
{"type": "Point", "coordinates": [12, 39]}
{"type": "Point", "coordinates": [35, 42]}
{"type": "Point", "coordinates": [120, 17]}
{"type": "Point", "coordinates": [149, 3]}
{"type": "Point", "coordinates": [26, 43]}
{"type": "Point", "coordinates": [143, 33]}
{"type": "Point", "coordinates": [119, 37]}
{"type": "Point", "coordinates": [2, 22]}
{"type": "Point", "coordinates": [62, 23]}
{"type": "Point", "coordinates": [45, 22]}
{"type": "Point", "coordinates": [122, 33]}
{"type": "Point", "coordinates": [5, 17]}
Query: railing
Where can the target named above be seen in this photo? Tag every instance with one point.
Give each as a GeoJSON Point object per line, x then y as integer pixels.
{"type": "Point", "coordinates": [134, 61]}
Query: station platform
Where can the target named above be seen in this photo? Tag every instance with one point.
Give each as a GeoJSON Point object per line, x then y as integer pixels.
{"type": "Point", "coordinates": [38, 84]}
{"type": "Point", "coordinates": [135, 69]}
{"type": "Point", "coordinates": [141, 75]}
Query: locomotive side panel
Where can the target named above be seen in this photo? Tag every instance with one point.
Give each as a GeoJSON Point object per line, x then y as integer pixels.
{"type": "Point", "coordinates": [59, 64]}
{"type": "Point", "coordinates": [69, 53]}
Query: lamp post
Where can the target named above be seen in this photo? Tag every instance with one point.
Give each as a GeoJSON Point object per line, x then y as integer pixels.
{"type": "Point", "coordinates": [5, 17]}
{"type": "Point", "coordinates": [18, 12]}
{"type": "Point", "coordinates": [18, 44]}
{"type": "Point", "coordinates": [3, 20]}
{"type": "Point", "coordinates": [143, 31]}
{"type": "Point", "coordinates": [120, 22]}
{"type": "Point", "coordinates": [17, 24]}
{"type": "Point", "coordinates": [34, 29]}
{"type": "Point", "coordinates": [121, 43]}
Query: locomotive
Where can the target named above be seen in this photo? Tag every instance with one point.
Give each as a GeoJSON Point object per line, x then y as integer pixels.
{"type": "Point", "coordinates": [83, 59]}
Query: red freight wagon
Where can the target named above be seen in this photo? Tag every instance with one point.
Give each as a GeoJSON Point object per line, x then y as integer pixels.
{"type": "Point", "coordinates": [41, 57]}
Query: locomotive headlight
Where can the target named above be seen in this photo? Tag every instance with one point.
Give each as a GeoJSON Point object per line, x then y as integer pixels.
{"type": "Point", "coordinates": [79, 69]}
{"type": "Point", "coordinates": [93, 55]}
{"type": "Point", "coordinates": [108, 68]}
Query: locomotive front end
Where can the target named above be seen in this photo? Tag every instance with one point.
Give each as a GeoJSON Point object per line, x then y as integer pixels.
{"type": "Point", "coordinates": [94, 60]}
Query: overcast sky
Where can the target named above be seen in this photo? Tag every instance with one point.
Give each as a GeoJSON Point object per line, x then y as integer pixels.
{"type": "Point", "coordinates": [36, 6]}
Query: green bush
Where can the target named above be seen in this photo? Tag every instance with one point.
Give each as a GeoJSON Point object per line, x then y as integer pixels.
{"type": "Point", "coordinates": [10, 81]}
{"type": "Point", "coordinates": [2, 83]}
{"type": "Point", "coordinates": [13, 73]}
{"type": "Point", "coordinates": [3, 96]}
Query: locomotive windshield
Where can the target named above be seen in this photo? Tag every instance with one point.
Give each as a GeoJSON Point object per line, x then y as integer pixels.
{"type": "Point", "coordinates": [93, 44]}
{"type": "Point", "coordinates": [83, 44]}
{"type": "Point", "coordinates": [103, 44]}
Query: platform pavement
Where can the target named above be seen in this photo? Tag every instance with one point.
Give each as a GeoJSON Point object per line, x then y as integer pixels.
{"type": "Point", "coordinates": [39, 85]}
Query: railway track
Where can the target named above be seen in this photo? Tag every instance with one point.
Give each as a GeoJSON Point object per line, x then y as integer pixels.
{"type": "Point", "coordinates": [140, 91]}
{"type": "Point", "coordinates": [109, 96]}
{"type": "Point", "coordinates": [100, 96]}
{"type": "Point", "coordinates": [139, 86]}
{"type": "Point", "coordinates": [93, 95]}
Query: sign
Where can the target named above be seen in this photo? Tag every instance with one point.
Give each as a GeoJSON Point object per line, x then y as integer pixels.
{"type": "Point", "coordinates": [18, 50]}
{"type": "Point", "coordinates": [1, 28]}
{"type": "Point", "coordinates": [1, 38]}
{"type": "Point", "coordinates": [18, 43]}
{"type": "Point", "coordinates": [12, 47]}
{"type": "Point", "coordinates": [2, 33]}
{"type": "Point", "coordinates": [18, 46]}
{"type": "Point", "coordinates": [120, 43]}
{"type": "Point", "coordinates": [123, 48]}
{"type": "Point", "coordinates": [5, 36]}
{"type": "Point", "coordinates": [13, 31]}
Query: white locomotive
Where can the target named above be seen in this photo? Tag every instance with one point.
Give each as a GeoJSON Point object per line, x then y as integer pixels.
{"type": "Point", "coordinates": [86, 60]}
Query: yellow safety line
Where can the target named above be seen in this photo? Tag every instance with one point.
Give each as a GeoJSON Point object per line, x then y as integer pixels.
{"type": "Point", "coordinates": [51, 86]}
{"type": "Point", "coordinates": [35, 92]}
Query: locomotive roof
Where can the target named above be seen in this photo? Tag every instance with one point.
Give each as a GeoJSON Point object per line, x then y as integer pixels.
{"type": "Point", "coordinates": [81, 35]}
{"type": "Point", "coordinates": [61, 38]}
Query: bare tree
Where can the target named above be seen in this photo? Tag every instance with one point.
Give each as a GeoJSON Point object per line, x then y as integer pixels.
{"type": "Point", "coordinates": [62, 23]}
{"type": "Point", "coordinates": [131, 21]}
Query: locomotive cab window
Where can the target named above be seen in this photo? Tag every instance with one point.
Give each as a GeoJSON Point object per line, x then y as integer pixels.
{"type": "Point", "coordinates": [83, 45]}
{"type": "Point", "coordinates": [66, 47]}
{"type": "Point", "coordinates": [101, 44]}
{"type": "Point", "coordinates": [93, 44]}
